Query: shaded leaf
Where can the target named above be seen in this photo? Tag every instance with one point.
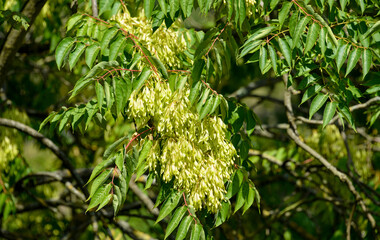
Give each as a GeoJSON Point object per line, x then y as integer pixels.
{"type": "Point", "coordinates": [329, 112]}
{"type": "Point", "coordinates": [317, 103]}
{"type": "Point", "coordinates": [312, 36]}
{"type": "Point", "coordinates": [63, 48]}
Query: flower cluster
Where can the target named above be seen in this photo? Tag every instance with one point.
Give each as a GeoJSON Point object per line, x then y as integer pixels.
{"type": "Point", "coordinates": [164, 42]}
{"type": "Point", "coordinates": [8, 151]}
{"type": "Point", "coordinates": [195, 153]}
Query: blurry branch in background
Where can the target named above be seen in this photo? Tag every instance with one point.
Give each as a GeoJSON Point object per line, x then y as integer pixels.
{"type": "Point", "coordinates": [94, 6]}
{"type": "Point", "coordinates": [49, 144]}
{"type": "Point", "coordinates": [342, 176]}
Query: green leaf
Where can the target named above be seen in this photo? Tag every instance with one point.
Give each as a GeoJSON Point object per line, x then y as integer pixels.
{"type": "Point", "coordinates": [301, 26]}
{"type": "Point", "coordinates": [63, 48]}
{"type": "Point", "coordinates": [91, 54]}
{"type": "Point", "coordinates": [144, 152]}
{"type": "Point", "coordinates": [183, 228]}
{"type": "Point", "coordinates": [107, 94]}
{"type": "Point", "coordinates": [352, 60]}
{"type": "Point", "coordinates": [51, 115]}
{"type": "Point", "coordinates": [329, 112]}
{"type": "Point", "coordinates": [262, 58]}
{"type": "Point", "coordinates": [149, 180]}
{"type": "Point", "coordinates": [74, 56]}
{"type": "Point", "coordinates": [310, 91]}
{"type": "Point", "coordinates": [273, 58]}
{"type": "Point", "coordinates": [169, 205]}
{"type": "Point", "coordinates": [175, 220]}
{"type": "Point", "coordinates": [366, 61]}
{"type": "Point", "coordinates": [105, 201]}
{"type": "Point", "coordinates": [242, 194]}
{"type": "Point", "coordinates": [161, 67]}
{"type": "Point", "coordinates": [73, 20]}
{"type": "Point", "coordinates": [99, 181]}
{"type": "Point", "coordinates": [341, 55]}
{"type": "Point", "coordinates": [79, 86]}
{"type": "Point", "coordinates": [317, 103]}
{"type": "Point", "coordinates": [202, 100]}
{"type": "Point", "coordinates": [223, 213]}
{"type": "Point", "coordinates": [374, 29]}
{"type": "Point", "coordinates": [249, 199]}
{"type": "Point", "coordinates": [163, 6]}
{"type": "Point", "coordinates": [99, 196]}
{"type": "Point", "coordinates": [322, 41]}
{"type": "Point", "coordinates": [120, 161]}
{"type": "Point", "coordinates": [120, 88]}
{"type": "Point", "coordinates": [197, 232]}
{"type": "Point", "coordinates": [100, 167]}
{"type": "Point", "coordinates": [250, 48]}
{"type": "Point", "coordinates": [107, 37]}
{"type": "Point", "coordinates": [174, 7]}
{"type": "Point", "coordinates": [206, 108]}
{"type": "Point", "coordinates": [113, 146]}
{"type": "Point", "coordinates": [144, 75]}
{"type": "Point", "coordinates": [362, 6]}
{"type": "Point", "coordinates": [194, 92]}
{"type": "Point", "coordinates": [117, 47]}
{"type": "Point", "coordinates": [285, 51]}
{"type": "Point", "coordinates": [99, 94]}
{"type": "Point", "coordinates": [234, 186]}
{"type": "Point", "coordinates": [115, 203]}
{"type": "Point", "coordinates": [251, 122]}
{"type": "Point", "coordinates": [261, 33]}
{"type": "Point", "coordinates": [241, 11]}
{"type": "Point", "coordinates": [197, 70]}
{"type": "Point", "coordinates": [345, 111]}
{"type": "Point", "coordinates": [284, 13]}
{"type": "Point", "coordinates": [216, 104]}
{"type": "Point", "coordinates": [104, 5]}
{"type": "Point", "coordinates": [312, 36]}
{"type": "Point", "coordinates": [148, 7]}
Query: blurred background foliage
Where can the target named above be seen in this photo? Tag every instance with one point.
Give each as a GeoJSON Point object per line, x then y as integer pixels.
{"type": "Point", "coordinates": [300, 199]}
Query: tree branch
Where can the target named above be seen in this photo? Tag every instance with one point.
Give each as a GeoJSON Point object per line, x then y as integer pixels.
{"type": "Point", "coordinates": [49, 144]}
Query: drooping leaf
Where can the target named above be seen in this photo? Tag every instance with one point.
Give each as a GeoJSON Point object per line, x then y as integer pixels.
{"type": "Point", "coordinates": [175, 220]}
{"type": "Point", "coordinates": [114, 146]}
{"type": "Point", "coordinates": [184, 228]}
{"type": "Point", "coordinates": [144, 75]}
{"type": "Point", "coordinates": [317, 103]}
{"type": "Point", "coordinates": [301, 26]}
{"type": "Point", "coordinates": [223, 213]}
{"type": "Point", "coordinates": [206, 108]}
{"type": "Point", "coordinates": [329, 112]}
{"type": "Point", "coordinates": [242, 195]}
{"type": "Point", "coordinates": [322, 41]}
{"type": "Point", "coordinates": [285, 49]}
{"type": "Point", "coordinates": [100, 167]}
{"type": "Point", "coordinates": [310, 91]}
{"type": "Point", "coordinates": [91, 54]}
{"type": "Point", "coordinates": [273, 57]}
{"type": "Point", "coordinates": [99, 94]}
{"type": "Point", "coordinates": [74, 56]}
{"type": "Point", "coordinates": [197, 233]}
{"type": "Point", "coordinates": [99, 196]}
{"type": "Point", "coordinates": [63, 48]}
{"type": "Point", "coordinates": [194, 92]}
{"type": "Point", "coordinates": [249, 199]}
{"type": "Point", "coordinates": [107, 37]}
{"type": "Point", "coordinates": [284, 13]}
{"type": "Point", "coordinates": [341, 55]}
{"type": "Point", "coordinates": [117, 47]}
{"type": "Point", "coordinates": [98, 181]}
{"type": "Point", "coordinates": [262, 58]}
{"type": "Point", "coordinates": [367, 61]}
{"type": "Point", "coordinates": [79, 86]}
{"type": "Point", "coordinates": [169, 205]}
{"type": "Point", "coordinates": [234, 186]}
{"type": "Point", "coordinates": [197, 70]}
{"type": "Point", "coordinates": [312, 36]}
{"type": "Point", "coordinates": [148, 7]}
{"type": "Point", "coordinates": [104, 5]}
{"type": "Point", "coordinates": [352, 60]}
{"type": "Point", "coordinates": [174, 7]}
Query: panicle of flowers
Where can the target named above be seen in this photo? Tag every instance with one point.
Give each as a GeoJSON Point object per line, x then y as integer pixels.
{"type": "Point", "coordinates": [195, 153]}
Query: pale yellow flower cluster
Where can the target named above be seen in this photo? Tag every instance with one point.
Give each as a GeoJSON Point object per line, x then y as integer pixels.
{"type": "Point", "coordinates": [250, 5]}
{"type": "Point", "coordinates": [195, 153]}
{"type": "Point", "coordinates": [8, 151]}
{"type": "Point", "coordinates": [165, 43]}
